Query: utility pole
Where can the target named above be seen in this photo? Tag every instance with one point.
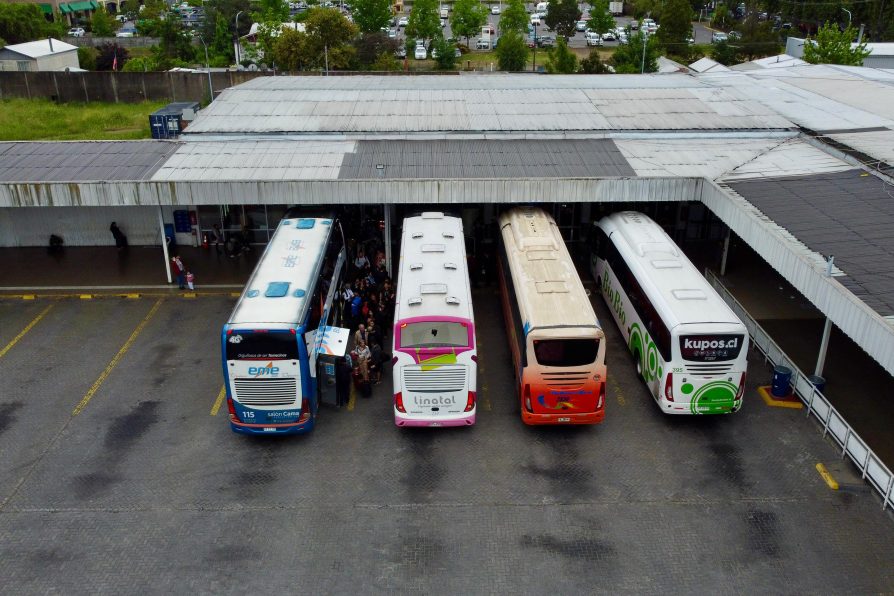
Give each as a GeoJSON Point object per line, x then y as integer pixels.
{"type": "Point", "coordinates": [208, 66]}
{"type": "Point", "coordinates": [238, 40]}
{"type": "Point", "coordinates": [642, 68]}
{"type": "Point", "coordinates": [827, 328]}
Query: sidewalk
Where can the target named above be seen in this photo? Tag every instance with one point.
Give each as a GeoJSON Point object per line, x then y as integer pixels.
{"type": "Point", "coordinates": [102, 269]}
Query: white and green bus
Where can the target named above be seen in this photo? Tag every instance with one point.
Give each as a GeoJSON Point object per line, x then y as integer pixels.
{"type": "Point", "coordinates": [690, 348]}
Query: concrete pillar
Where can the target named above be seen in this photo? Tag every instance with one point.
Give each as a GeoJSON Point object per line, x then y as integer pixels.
{"type": "Point", "coordinates": [164, 244]}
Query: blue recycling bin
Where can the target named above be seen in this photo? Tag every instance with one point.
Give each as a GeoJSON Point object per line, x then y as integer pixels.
{"type": "Point", "coordinates": [782, 377]}
{"type": "Point", "coordinates": [818, 382]}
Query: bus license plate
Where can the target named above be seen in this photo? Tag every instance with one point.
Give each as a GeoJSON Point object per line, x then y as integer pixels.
{"type": "Point", "coordinates": [269, 429]}
{"type": "Point", "coordinates": [564, 419]}
{"type": "Point", "coordinates": [435, 424]}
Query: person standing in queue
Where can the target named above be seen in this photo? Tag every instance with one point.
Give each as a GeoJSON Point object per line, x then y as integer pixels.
{"type": "Point", "coordinates": [343, 371]}
{"type": "Point", "coordinates": [120, 238]}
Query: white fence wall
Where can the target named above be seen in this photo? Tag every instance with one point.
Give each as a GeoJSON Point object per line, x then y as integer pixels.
{"type": "Point", "coordinates": [78, 226]}
{"type": "Point", "coordinates": [832, 422]}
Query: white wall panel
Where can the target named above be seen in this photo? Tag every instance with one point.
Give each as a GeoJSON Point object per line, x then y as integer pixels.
{"type": "Point", "coordinates": [78, 226]}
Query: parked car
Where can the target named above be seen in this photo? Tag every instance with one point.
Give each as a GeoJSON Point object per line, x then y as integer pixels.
{"type": "Point", "coordinates": [547, 41]}
{"type": "Point", "coordinates": [535, 20]}
{"type": "Point", "coordinates": [420, 53]}
{"type": "Point", "coordinates": [402, 22]}
{"type": "Point", "coordinates": [400, 52]}
{"type": "Point", "coordinates": [495, 9]}
{"type": "Point", "coordinates": [733, 35]}
{"type": "Point", "coordinates": [580, 26]}
{"type": "Point", "coordinates": [126, 32]}
{"type": "Point", "coordinates": [634, 25]}
{"type": "Point", "coordinates": [609, 36]}
{"type": "Point", "coordinates": [77, 32]}
{"type": "Point", "coordinates": [594, 39]}
{"type": "Point", "coordinates": [719, 36]}
{"type": "Point", "coordinates": [482, 44]}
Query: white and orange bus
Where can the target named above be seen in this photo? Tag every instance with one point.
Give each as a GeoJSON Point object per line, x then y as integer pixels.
{"type": "Point", "coordinates": [435, 358]}
{"type": "Point", "coordinates": [557, 343]}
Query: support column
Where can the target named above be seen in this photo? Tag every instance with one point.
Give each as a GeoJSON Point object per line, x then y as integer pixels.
{"type": "Point", "coordinates": [387, 209]}
{"type": "Point", "coordinates": [827, 329]}
{"type": "Point", "coordinates": [725, 252]}
{"type": "Point", "coordinates": [164, 245]}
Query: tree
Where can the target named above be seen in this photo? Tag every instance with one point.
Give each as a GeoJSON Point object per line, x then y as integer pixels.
{"type": "Point", "coordinates": [102, 24]}
{"type": "Point", "coordinates": [371, 46]}
{"type": "Point", "coordinates": [724, 53]}
{"type": "Point", "coordinates": [110, 55]}
{"type": "Point", "coordinates": [271, 10]}
{"type": "Point", "coordinates": [446, 53]}
{"type": "Point", "coordinates": [721, 18]}
{"type": "Point", "coordinates": [758, 39]}
{"type": "Point", "coordinates": [514, 18]}
{"type": "Point", "coordinates": [290, 50]}
{"type": "Point", "coordinates": [593, 64]}
{"type": "Point", "coordinates": [174, 45]}
{"type": "Point", "coordinates": [562, 16]}
{"type": "Point", "coordinates": [24, 22]}
{"type": "Point", "coordinates": [600, 19]}
{"type": "Point", "coordinates": [833, 46]}
{"type": "Point", "coordinates": [561, 60]}
{"type": "Point", "coordinates": [640, 53]}
{"type": "Point", "coordinates": [512, 52]}
{"type": "Point", "coordinates": [676, 25]}
{"type": "Point", "coordinates": [221, 40]}
{"type": "Point", "coordinates": [424, 22]}
{"type": "Point", "coordinates": [371, 15]}
{"type": "Point", "coordinates": [467, 19]}
{"type": "Point", "coordinates": [328, 34]}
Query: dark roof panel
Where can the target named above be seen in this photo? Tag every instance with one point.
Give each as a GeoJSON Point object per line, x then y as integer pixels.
{"type": "Point", "coordinates": [846, 214]}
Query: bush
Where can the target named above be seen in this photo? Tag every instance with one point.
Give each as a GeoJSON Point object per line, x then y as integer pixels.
{"type": "Point", "coordinates": [512, 53]}
{"type": "Point", "coordinates": [86, 58]}
{"type": "Point", "coordinates": [593, 64]}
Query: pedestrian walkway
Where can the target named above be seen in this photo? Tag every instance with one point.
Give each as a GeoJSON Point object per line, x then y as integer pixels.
{"type": "Point", "coordinates": [100, 269]}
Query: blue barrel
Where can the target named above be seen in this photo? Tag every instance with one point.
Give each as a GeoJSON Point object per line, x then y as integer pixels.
{"type": "Point", "coordinates": [782, 376]}
{"type": "Point", "coordinates": [818, 382]}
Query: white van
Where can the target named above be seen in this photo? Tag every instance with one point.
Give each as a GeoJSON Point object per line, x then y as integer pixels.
{"type": "Point", "coordinates": [593, 38]}
{"type": "Point", "coordinates": [444, 14]}
{"type": "Point", "coordinates": [541, 7]}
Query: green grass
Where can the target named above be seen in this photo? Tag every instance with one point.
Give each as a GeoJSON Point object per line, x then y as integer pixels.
{"type": "Point", "coordinates": [43, 120]}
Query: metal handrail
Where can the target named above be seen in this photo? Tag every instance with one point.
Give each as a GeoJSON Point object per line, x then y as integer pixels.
{"type": "Point", "coordinates": [833, 423]}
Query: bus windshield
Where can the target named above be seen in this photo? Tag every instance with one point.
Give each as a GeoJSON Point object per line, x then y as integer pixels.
{"type": "Point", "coordinates": [434, 334]}
{"type": "Point", "coordinates": [266, 345]}
{"type": "Point", "coordinates": [710, 348]}
{"type": "Point", "coordinates": [566, 352]}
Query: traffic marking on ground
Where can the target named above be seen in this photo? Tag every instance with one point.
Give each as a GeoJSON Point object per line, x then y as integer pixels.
{"type": "Point", "coordinates": [619, 394]}
{"type": "Point", "coordinates": [85, 296]}
{"type": "Point", "coordinates": [218, 401]}
{"type": "Point", "coordinates": [352, 401]}
{"type": "Point", "coordinates": [788, 402]}
{"type": "Point", "coordinates": [29, 297]}
{"type": "Point", "coordinates": [22, 333]}
{"type": "Point", "coordinates": [833, 484]}
{"type": "Point", "coordinates": [102, 377]}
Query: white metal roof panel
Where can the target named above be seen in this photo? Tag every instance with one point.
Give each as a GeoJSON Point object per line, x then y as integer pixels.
{"type": "Point", "coordinates": [879, 143]}
{"type": "Point", "coordinates": [790, 157]}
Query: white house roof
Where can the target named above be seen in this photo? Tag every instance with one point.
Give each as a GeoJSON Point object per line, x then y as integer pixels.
{"type": "Point", "coordinates": [41, 48]}
{"type": "Point", "coordinates": [705, 64]}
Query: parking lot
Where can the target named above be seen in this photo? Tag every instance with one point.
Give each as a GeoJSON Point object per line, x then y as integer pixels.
{"type": "Point", "coordinates": [119, 474]}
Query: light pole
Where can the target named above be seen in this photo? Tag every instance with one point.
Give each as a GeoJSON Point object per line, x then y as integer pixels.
{"type": "Point", "coordinates": [848, 16]}
{"type": "Point", "coordinates": [238, 40]}
{"type": "Point", "coordinates": [534, 65]}
{"type": "Point", "coordinates": [208, 65]}
{"type": "Point", "coordinates": [642, 68]}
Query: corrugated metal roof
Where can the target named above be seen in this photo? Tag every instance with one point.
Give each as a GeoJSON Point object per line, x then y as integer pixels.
{"type": "Point", "coordinates": [792, 157]}
{"type": "Point", "coordinates": [877, 143]}
{"type": "Point", "coordinates": [82, 161]}
{"type": "Point", "coordinates": [495, 103]}
{"type": "Point", "coordinates": [485, 159]}
{"type": "Point", "coordinates": [846, 214]}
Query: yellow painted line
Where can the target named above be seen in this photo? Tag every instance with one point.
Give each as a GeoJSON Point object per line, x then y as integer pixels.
{"type": "Point", "coordinates": [85, 296]}
{"type": "Point", "coordinates": [235, 294]}
{"type": "Point", "coordinates": [188, 294]}
{"type": "Point", "coordinates": [130, 296]}
{"type": "Point", "coordinates": [352, 401]}
{"type": "Point", "coordinates": [22, 333]}
{"type": "Point", "coordinates": [619, 395]}
{"type": "Point", "coordinates": [29, 297]}
{"type": "Point", "coordinates": [102, 377]}
{"type": "Point", "coordinates": [218, 401]}
{"type": "Point", "coordinates": [485, 398]}
{"type": "Point", "coordinates": [768, 398]}
{"type": "Point", "coordinates": [833, 484]}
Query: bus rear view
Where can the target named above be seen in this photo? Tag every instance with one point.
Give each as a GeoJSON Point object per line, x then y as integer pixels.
{"type": "Point", "coordinates": [434, 360]}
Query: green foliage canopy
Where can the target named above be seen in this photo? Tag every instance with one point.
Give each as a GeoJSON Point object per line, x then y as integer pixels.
{"type": "Point", "coordinates": [628, 58]}
{"type": "Point", "coordinates": [833, 46]}
{"type": "Point", "coordinates": [25, 22]}
{"type": "Point", "coordinates": [514, 18]}
{"type": "Point", "coordinates": [561, 60]}
{"type": "Point", "coordinates": [424, 22]}
{"type": "Point", "coordinates": [468, 17]}
{"type": "Point", "coordinates": [600, 19]}
{"type": "Point", "coordinates": [512, 52]}
{"type": "Point", "coordinates": [371, 15]}
{"type": "Point", "coordinates": [102, 24]}
{"type": "Point", "coordinates": [562, 16]}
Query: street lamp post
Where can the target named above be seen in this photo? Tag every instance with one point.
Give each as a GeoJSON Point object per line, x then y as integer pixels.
{"type": "Point", "coordinates": [642, 68]}
{"type": "Point", "coordinates": [848, 15]}
{"type": "Point", "coordinates": [238, 40]}
{"type": "Point", "coordinates": [534, 65]}
{"type": "Point", "coordinates": [208, 66]}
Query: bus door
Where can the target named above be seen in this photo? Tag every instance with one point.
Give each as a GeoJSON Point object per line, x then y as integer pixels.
{"type": "Point", "coordinates": [559, 376]}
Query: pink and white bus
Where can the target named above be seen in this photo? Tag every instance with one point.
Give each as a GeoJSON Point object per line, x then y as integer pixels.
{"type": "Point", "coordinates": [435, 358]}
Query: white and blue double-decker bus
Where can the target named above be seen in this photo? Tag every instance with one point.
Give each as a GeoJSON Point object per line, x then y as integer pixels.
{"type": "Point", "coordinates": [270, 343]}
